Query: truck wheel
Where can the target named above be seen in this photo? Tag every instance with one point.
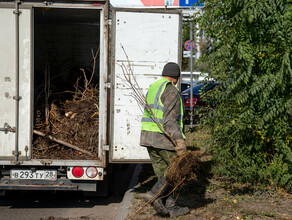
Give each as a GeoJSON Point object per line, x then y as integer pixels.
{"type": "Point", "coordinates": [2, 193]}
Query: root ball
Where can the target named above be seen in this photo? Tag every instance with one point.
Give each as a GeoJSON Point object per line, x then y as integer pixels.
{"type": "Point", "coordinates": [184, 167]}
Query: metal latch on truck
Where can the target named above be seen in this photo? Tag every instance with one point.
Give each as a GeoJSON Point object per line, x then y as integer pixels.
{"type": "Point", "coordinates": [7, 128]}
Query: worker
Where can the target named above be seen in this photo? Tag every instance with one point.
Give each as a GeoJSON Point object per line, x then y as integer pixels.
{"type": "Point", "coordinates": [166, 104]}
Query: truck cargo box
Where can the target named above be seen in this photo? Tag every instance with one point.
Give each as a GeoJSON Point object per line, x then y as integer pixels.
{"type": "Point", "coordinates": [56, 43]}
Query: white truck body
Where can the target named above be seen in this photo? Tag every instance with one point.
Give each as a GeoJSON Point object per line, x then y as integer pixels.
{"type": "Point", "coordinates": [150, 38]}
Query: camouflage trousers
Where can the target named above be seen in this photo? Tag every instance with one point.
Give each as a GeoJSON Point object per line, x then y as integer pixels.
{"type": "Point", "coordinates": [160, 159]}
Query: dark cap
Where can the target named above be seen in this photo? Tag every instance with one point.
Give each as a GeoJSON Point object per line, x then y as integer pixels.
{"type": "Point", "coordinates": [171, 69]}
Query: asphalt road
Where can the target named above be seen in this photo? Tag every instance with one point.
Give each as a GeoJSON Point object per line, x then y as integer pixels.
{"type": "Point", "coordinates": [45, 205]}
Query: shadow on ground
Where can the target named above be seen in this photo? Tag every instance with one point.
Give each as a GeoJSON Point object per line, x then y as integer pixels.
{"type": "Point", "coordinates": [197, 188]}
{"type": "Point", "coordinates": [48, 199]}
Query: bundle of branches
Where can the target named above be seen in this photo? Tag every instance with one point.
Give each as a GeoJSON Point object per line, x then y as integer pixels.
{"type": "Point", "coordinates": [74, 122]}
{"type": "Point", "coordinates": [70, 129]}
{"type": "Point", "coordinates": [183, 168]}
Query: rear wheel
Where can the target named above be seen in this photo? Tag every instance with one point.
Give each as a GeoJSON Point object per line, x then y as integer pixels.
{"type": "Point", "coordinates": [2, 193]}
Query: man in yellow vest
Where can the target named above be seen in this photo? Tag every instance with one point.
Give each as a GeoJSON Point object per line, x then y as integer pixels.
{"type": "Point", "coordinates": [167, 108]}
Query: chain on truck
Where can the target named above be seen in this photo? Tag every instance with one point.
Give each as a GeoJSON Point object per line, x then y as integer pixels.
{"type": "Point", "coordinates": [43, 45]}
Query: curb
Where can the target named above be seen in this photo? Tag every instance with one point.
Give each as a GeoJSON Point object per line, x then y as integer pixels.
{"type": "Point", "coordinates": [126, 203]}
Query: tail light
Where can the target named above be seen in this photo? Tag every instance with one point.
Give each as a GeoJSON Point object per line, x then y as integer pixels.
{"type": "Point", "coordinates": [188, 102]}
{"type": "Point", "coordinates": [77, 172]}
{"type": "Point", "coordinates": [91, 172]}
{"type": "Point", "coordinates": [85, 173]}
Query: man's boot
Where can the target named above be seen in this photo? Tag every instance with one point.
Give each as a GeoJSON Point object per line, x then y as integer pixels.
{"type": "Point", "coordinates": [175, 211]}
{"type": "Point", "coordinates": [157, 203]}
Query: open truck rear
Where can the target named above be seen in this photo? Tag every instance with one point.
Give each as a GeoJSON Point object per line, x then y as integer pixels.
{"type": "Point", "coordinates": [45, 47]}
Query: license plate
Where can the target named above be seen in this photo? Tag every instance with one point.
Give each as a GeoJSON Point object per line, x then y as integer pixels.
{"type": "Point", "coordinates": [33, 175]}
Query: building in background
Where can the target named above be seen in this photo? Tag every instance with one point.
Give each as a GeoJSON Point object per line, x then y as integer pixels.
{"type": "Point", "coordinates": [153, 3]}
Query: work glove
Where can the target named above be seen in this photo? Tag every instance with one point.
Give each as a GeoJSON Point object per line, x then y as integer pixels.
{"type": "Point", "coordinates": [180, 147]}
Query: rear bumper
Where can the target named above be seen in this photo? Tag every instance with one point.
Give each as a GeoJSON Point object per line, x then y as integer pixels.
{"type": "Point", "coordinates": [38, 187]}
{"type": "Point", "coordinates": [58, 185]}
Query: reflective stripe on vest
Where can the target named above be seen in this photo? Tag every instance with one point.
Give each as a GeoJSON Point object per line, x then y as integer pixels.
{"type": "Point", "coordinates": [153, 99]}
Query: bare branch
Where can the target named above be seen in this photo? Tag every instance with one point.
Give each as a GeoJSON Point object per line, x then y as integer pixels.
{"type": "Point", "coordinates": [94, 62]}
{"type": "Point", "coordinates": [62, 142]}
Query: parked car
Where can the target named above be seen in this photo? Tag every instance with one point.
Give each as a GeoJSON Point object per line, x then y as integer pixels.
{"type": "Point", "coordinates": [184, 85]}
{"type": "Point", "coordinates": [198, 89]}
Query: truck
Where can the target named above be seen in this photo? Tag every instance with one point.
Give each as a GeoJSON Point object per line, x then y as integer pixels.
{"type": "Point", "coordinates": [60, 32]}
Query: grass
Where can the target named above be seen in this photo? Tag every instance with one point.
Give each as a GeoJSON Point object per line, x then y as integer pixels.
{"type": "Point", "coordinates": [212, 197]}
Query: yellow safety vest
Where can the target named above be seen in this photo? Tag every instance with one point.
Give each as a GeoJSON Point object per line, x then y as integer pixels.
{"type": "Point", "coordinates": [153, 98]}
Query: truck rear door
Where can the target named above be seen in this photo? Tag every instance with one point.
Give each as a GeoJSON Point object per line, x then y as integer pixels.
{"type": "Point", "coordinates": [150, 39]}
{"type": "Point", "coordinates": [8, 84]}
